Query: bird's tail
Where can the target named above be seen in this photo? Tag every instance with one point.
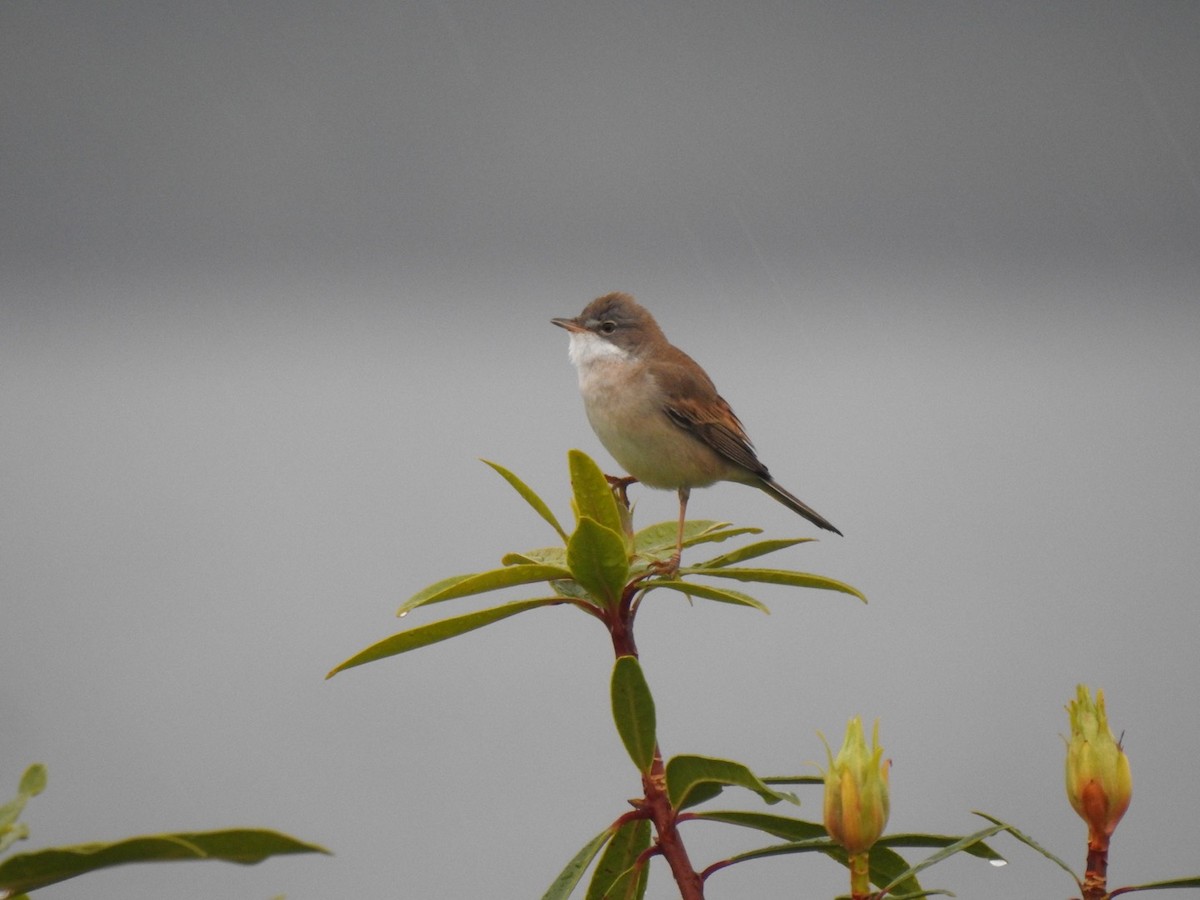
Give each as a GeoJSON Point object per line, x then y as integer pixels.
{"type": "Point", "coordinates": [773, 488]}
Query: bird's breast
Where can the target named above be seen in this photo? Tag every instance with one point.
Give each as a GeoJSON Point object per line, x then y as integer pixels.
{"type": "Point", "coordinates": [626, 409]}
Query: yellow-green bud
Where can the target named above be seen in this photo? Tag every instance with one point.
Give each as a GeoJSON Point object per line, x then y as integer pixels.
{"type": "Point", "coordinates": [1099, 784]}
{"type": "Point", "coordinates": [856, 790]}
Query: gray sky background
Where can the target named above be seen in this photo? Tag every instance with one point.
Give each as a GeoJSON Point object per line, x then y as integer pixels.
{"type": "Point", "coordinates": [272, 276]}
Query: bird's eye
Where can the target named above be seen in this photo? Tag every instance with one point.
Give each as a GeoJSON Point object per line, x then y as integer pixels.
{"type": "Point", "coordinates": [608, 326]}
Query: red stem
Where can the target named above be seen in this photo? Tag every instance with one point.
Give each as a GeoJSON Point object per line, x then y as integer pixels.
{"type": "Point", "coordinates": [1095, 879]}
{"type": "Point", "coordinates": [670, 844]}
{"type": "Point", "coordinates": [655, 803]}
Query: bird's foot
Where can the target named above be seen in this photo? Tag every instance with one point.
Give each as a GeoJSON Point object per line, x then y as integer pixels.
{"type": "Point", "coordinates": [620, 486]}
{"type": "Point", "coordinates": [666, 567]}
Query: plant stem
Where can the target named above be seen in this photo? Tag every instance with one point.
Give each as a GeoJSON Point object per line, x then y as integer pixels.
{"type": "Point", "coordinates": [1095, 879]}
{"type": "Point", "coordinates": [654, 783]}
{"type": "Point", "coordinates": [860, 876]}
{"type": "Point", "coordinates": [691, 885]}
{"type": "Point", "coordinates": [621, 629]}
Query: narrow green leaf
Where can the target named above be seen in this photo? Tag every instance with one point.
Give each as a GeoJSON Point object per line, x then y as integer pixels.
{"type": "Point", "coordinates": [10, 834]}
{"type": "Point", "coordinates": [593, 496]}
{"type": "Point", "coordinates": [421, 597]}
{"type": "Point", "coordinates": [702, 793]}
{"type": "Point", "coordinates": [779, 576]}
{"type": "Point", "coordinates": [795, 779]}
{"type": "Point", "coordinates": [633, 711]}
{"type": "Point", "coordinates": [570, 876]}
{"type": "Point", "coordinates": [1030, 842]}
{"type": "Point", "coordinates": [814, 845]}
{"type": "Point", "coordinates": [884, 864]}
{"type": "Point", "coordinates": [11, 811]}
{"type": "Point", "coordinates": [1188, 882]}
{"type": "Point", "coordinates": [750, 551]}
{"type": "Point", "coordinates": [434, 632]}
{"type": "Point", "coordinates": [658, 539]}
{"type": "Point", "coordinates": [542, 556]}
{"type": "Point", "coordinates": [528, 495]}
{"type": "Point", "coordinates": [707, 592]}
{"type": "Point", "coordinates": [887, 867]}
{"type": "Point", "coordinates": [686, 773]}
{"type": "Point", "coordinates": [980, 849]}
{"type": "Point", "coordinates": [598, 560]}
{"type": "Point", "coordinates": [957, 847]}
{"type": "Point", "coordinates": [783, 827]}
{"type": "Point", "coordinates": [30, 871]}
{"type": "Point", "coordinates": [572, 589]}
{"type": "Point", "coordinates": [33, 781]}
{"type": "Point", "coordinates": [615, 873]}
{"type": "Point", "coordinates": [720, 534]}
{"type": "Point", "coordinates": [482, 582]}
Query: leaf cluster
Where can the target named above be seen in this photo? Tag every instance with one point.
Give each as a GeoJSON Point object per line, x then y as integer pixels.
{"type": "Point", "coordinates": [693, 780]}
{"type": "Point", "coordinates": [602, 567]}
{"type": "Point", "coordinates": [25, 872]}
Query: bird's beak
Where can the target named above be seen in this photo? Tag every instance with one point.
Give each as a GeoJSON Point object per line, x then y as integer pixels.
{"type": "Point", "coordinates": [572, 325]}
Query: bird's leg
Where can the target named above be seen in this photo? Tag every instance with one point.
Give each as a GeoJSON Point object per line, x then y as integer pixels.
{"type": "Point", "coordinates": [671, 566]}
{"type": "Point", "coordinates": [621, 486]}
{"type": "Point", "coordinates": [684, 494]}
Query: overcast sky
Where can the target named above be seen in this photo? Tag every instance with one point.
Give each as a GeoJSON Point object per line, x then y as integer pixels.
{"type": "Point", "coordinates": [274, 275]}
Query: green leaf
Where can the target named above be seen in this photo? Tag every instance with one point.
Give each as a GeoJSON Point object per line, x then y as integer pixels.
{"type": "Point", "coordinates": [593, 496]}
{"type": "Point", "coordinates": [30, 871]}
{"type": "Point", "coordinates": [784, 827]}
{"type": "Point", "coordinates": [778, 576]}
{"type": "Point", "coordinates": [795, 779]}
{"type": "Point", "coordinates": [10, 834]}
{"type": "Point", "coordinates": [707, 592]}
{"type": "Point", "coordinates": [598, 560]}
{"type": "Point", "coordinates": [887, 867]}
{"type": "Point", "coordinates": [686, 773]}
{"type": "Point", "coordinates": [659, 539]}
{"type": "Point", "coordinates": [482, 582]}
{"type": "Point", "coordinates": [33, 781]}
{"type": "Point", "coordinates": [615, 873]}
{"type": "Point", "coordinates": [1188, 882]}
{"type": "Point", "coordinates": [572, 589]}
{"type": "Point", "coordinates": [570, 876]}
{"type": "Point", "coordinates": [980, 849]}
{"type": "Point", "coordinates": [542, 556]}
{"type": "Point", "coordinates": [813, 845]}
{"type": "Point", "coordinates": [1030, 842]}
{"type": "Point", "coordinates": [947, 851]}
{"type": "Point", "coordinates": [809, 837]}
{"type": "Point", "coordinates": [633, 711]}
{"type": "Point", "coordinates": [806, 837]}
{"type": "Point", "coordinates": [425, 635]}
{"type": "Point", "coordinates": [750, 551]}
{"type": "Point", "coordinates": [539, 506]}
{"type": "Point", "coordinates": [702, 793]}
{"type": "Point", "coordinates": [11, 811]}
{"type": "Point", "coordinates": [422, 596]}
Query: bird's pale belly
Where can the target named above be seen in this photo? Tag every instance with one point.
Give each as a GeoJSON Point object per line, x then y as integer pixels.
{"type": "Point", "coordinates": [646, 443]}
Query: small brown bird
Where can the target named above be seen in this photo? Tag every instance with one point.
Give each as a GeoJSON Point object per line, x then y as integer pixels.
{"type": "Point", "coordinates": [657, 412]}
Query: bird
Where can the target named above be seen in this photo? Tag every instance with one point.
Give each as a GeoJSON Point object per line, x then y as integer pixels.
{"type": "Point", "coordinates": [658, 413]}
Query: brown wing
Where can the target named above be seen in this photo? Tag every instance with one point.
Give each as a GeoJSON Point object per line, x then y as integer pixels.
{"type": "Point", "coordinates": [695, 406]}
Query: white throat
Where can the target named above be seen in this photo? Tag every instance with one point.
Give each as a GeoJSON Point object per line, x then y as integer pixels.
{"type": "Point", "coordinates": [587, 349]}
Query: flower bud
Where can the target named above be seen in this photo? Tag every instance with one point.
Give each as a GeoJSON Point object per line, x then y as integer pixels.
{"type": "Point", "coordinates": [856, 790]}
{"type": "Point", "coordinates": [1099, 784]}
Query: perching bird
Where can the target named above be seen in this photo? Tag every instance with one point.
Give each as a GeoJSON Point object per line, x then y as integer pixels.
{"type": "Point", "coordinates": [657, 412]}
